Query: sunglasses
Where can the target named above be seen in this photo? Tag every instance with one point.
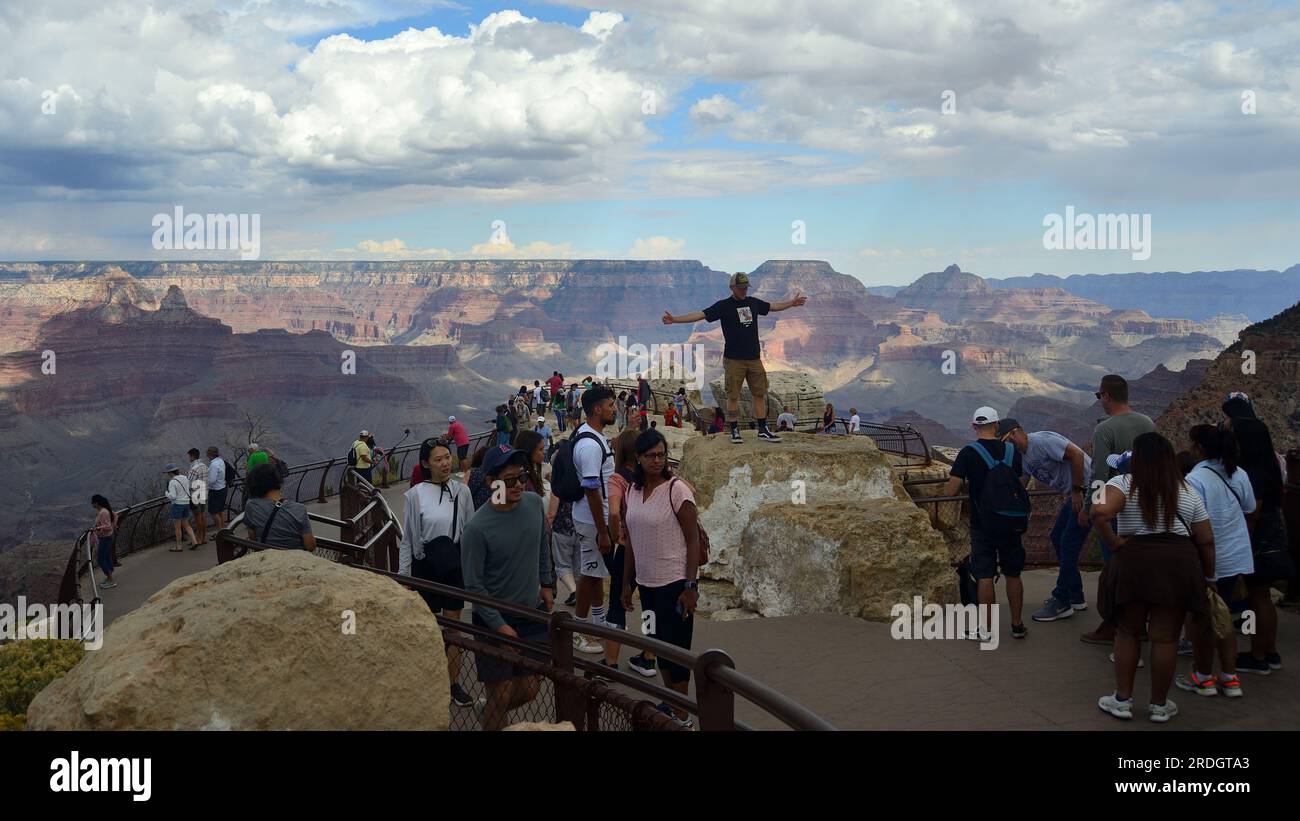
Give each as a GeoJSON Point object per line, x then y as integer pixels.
{"type": "Point", "coordinates": [511, 481]}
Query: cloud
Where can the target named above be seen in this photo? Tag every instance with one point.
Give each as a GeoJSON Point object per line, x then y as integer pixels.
{"type": "Point", "coordinates": [656, 247]}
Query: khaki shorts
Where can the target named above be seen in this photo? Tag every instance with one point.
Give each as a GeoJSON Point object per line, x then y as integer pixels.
{"type": "Point", "coordinates": [739, 371]}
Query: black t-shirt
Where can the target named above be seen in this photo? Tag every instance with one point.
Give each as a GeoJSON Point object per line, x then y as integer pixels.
{"type": "Point", "coordinates": [969, 466]}
{"type": "Point", "coordinates": [739, 325]}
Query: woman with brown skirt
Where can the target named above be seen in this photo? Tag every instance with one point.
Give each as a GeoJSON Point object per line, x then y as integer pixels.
{"type": "Point", "coordinates": [1162, 553]}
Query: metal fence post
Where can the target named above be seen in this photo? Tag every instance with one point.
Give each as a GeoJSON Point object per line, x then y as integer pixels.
{"type": "Point", "coordinates": [717, 704]}
{"type": "Point", "coordinates": [568, 700]}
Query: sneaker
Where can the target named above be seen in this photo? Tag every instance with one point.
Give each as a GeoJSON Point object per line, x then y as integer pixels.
{"type": "Point", "coordinates": [1274, 661]}
{"type": "Point", "coordinates": [1099, 636]}
{"type": "Point", "coordinates": [982, 636]}
{"type": "Point", "coordinates": [1141, 663]}
{"type": "Point", "coordinates": [583, 644]}
{"type": "Point", "coordinates": [1247, 663]}
{"type": "Point", "coordinates": [668, 711]}
{"type": "Point", "coordinates": [1230, 685]}
{"type": "Point", "coordinates": [1053, 610]}
{"type": "Point", "coordinates": [1117, 708]}
{"type": "Point", "coordinates": [767, 435]}
{"type": "Point", "coordinates": [1184, 647]}
{"type": "Point", "coordinates": [608, 665]}
{"type": "Point", "coordinates": [643, 666]}
{"type": "Point", "coordinates": [1079, 605]}
{"type": "Point", "coordinates": [107, 585]}
{"type": "Point", "coordinates": [1019, 631]}
{"type": "Point", "coordinates": [1193, 682]}
{"type": "Point", "coordinates": [459, 697]}
{"type": "Point", "coordinates": [1160, 713]}
{"type": "Point", "coordinates": [572, 601]}
{"type": "Point", "coordinates": [735, 436]}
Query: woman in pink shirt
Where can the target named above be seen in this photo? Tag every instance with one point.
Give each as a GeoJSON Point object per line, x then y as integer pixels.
{"type": "Point", "coordinates": [102, 535]}
{"type": "Point", "coordinates": [663, 555]}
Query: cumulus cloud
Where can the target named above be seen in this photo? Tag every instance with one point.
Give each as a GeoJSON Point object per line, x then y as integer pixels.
{"type": "Point", "coordinates": [656, 247]}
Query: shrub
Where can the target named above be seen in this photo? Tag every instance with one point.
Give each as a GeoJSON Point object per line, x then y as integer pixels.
{"type": "Point", "coordinates": [26, 667]}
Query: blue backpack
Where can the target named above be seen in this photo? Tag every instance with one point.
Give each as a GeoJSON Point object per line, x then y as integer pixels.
{"type": "Point", "coordinates": [1003, 501]}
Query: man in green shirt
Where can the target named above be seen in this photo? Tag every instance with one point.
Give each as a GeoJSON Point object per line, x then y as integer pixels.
{"type": "Point", "coordinates": [1114, 434]}
{"type": "Point", "coordinates": [256, 456]}
{"type": "Point", "coordinates": [505, 554]}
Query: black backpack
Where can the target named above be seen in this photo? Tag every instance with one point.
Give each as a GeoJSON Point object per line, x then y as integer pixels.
{"type": "Point", "coordinates": [1003, 503]}
{"type": "Point", "coordinates": [565, 481]}
{"type": "Point", "coordinates": [352, 456]}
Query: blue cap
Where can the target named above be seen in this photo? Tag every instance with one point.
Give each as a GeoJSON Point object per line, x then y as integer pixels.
{"type": "Point", "coordinates": [500, 456]}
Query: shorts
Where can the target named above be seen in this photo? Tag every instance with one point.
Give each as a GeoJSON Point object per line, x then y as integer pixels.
{"type": "Point", "coordinates": [988, 552]}
{"type": "Point", "coordinates": [590, 562]}
{"type": "Point", "coordinates": [217, 500]}
{"type": "Point", "coordinates": [180, 512]}
{"type": "Point", "coordinates": [1226, 585]}
{"type": "Point", "coordinates": [462, 451]}
{"type": "Point", "coordinates": [741, 371]}
{"type": "Point", "coordinates": [492, 670]}
{"type": "Point", "coordinates": [669, 626]}
{"type": "Point", "coordinates": [564, 552]}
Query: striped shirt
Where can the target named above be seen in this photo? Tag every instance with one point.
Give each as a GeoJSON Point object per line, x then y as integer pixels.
{"type": "Point", "coordinates": [1129, 521]}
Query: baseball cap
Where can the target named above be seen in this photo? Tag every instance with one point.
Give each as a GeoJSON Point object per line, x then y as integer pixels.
{"type": "Point", "coordinates": [739, 280]}
{"type": "Point", "coordinates": [365, 433]}
{"type": "Point", "coordinates": [451, 419]}
{"type": "Point", "coordinates": [500, 456]}
{"type": "Point", "coordinates": [252, 446]}
{"type": "Point", "coordinates": [1005, 426]}
{"type": "Point", "coordinates": [985, 415]}
{"type": "Point", "coordinates": [541, 419]}
{"type": "Point", "coordinates": [1238, 405]}
{"type": "Point", "coordinates": [171, 468]}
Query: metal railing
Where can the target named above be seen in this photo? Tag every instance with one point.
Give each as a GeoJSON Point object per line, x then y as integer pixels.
{"type": "Point", "coordinates": [899, 440]}
{"type": "Point", "coordinates": [657, 399]}
{"type": "Point", "coordinates": [577, 692]}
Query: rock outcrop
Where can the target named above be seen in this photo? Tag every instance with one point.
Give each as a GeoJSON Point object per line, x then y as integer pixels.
{"type": "Point", "coordinates": [261, 643]}
{"type": "Point", "coordinates": [794, 388]}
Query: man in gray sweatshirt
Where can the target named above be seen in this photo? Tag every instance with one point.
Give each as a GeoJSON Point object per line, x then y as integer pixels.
{"type": "Point", "coordinates": [505, 555]}
{"type": "Point", "coordinates": [1114, 434]}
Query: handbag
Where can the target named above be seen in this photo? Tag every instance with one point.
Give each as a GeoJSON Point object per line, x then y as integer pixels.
{"type": "Point", "coordinates": [1220, 617]}
{"type": "Point", "coordinates": [441, 555]}
{"type": "Point", "coordinates": [704, 537]}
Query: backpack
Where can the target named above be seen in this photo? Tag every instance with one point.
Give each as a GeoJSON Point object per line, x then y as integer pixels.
{"type": "Point", "coordinates": [352, 456]}
{"type": "Point", "coordinates": [565, 481]}
{"type": "Point", "coordinates": [704, 537]}
{"type": "Point", "coordinates": [1003, 503]}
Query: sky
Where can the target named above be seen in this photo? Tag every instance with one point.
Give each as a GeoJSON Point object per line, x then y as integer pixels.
{"type": "Point", "coordinates": [887, 138]}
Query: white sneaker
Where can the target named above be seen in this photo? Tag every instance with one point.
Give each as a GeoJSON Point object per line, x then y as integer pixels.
{"type": "Point", "coordinates": [1160, 713]}
{"type": "Point", "coordinates": [1117, 708]}
{"type": "Point", "coordinates": [584, 644]}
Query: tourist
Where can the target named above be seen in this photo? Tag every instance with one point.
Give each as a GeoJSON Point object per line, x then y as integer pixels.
{"type": "Point", "coordinates": [272, 519]}
{"type": "Point", "coordinates": [537, 398]}
{"type": "Point", "coordinates": [559, 402]}
{"type": "Point", "coordinates": [1226, 492]}
{"type": "Point", "coordinates": [564, 545]}
{"type": "Point", "coordinates": [1059, 464]}
{"type": "Point", "coordinates": [995, 537]}
{"type": "Point", "coordinates": [1114, 434]}
{"type": "Point", "coordinates": [505, 555]}
{"type": "Point", "coordinates": [718, 425]}
{"type": "Point", "coordinates": [741, 356]}
{"type": "Point", "coordinates": [594, 463]}
{"type": "Point", "coordinates": [679, 400]}
{"type": "Point", "coordinates": [786, 420]}
{"type": "Point", "coordinates": [102, 534]}
{"type": "Point", "coordinates": [1155, 577]}
{"type": "Point", "coordinates": [1268, 541]}
{"type": "Point", "coordinates": [642, 391]}
{"type": "Point", "coordinates": [178, 493]}
{"type": "Point", "coordinates": [625, 462]}
{"type": "Point", "coordinates": [620, 410]}
{"type": "Point", "coordinates": [828, 419]}
{"type": "Point", "coordinates": [479, 490]}
{"type": "Point", "coordinates": [360, 458]}
{"type": "Point", "coordinates": [555, 383]}
{"type": "Point", "coordinates": [671, 419]}
{"type": "Point", "coordinates": [502, 426]}
{"type": "Point", "coordinates": [256, 456]}
{"type": "Point", "coordinates": [663, 556]}
{"type": "Point", "coordinates": [198, 476]}
{"type": "Point", "coordinates": [436, 512]}
{"type": "Point", "coordinates": [217, 467]}
{"type": "Point", "coordinates": [533, 445]}
{"type": "Point", "coordinates": [458, 436]}
{"type": "Point", "coordinates": [855, 421]}
{"type": "Point", "coordinates": [544, 430]}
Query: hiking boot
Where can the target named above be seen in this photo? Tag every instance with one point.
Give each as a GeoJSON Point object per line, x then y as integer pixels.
{"type": "Point", "coordinates": [1053, 610]}
{"type": "Point", "coordinates": [459, 697]}
{"type": "Point", "coordinates": [1102, 635]}
{"type": "Point", "coordinates": [1246, 663]}
{"type": "Point", "coordinates": [767, 435]}
{"type": "Point", "coordinates": [583, 644]}
{"type": "Point", "coordinates": [642, 665]}
{"type": "Point", "coordinates": [1230, 685]}
{"type": "Point", "coordinates": [735, 436]}
{"type": "Point", "coordinates": [1194, 682]}
{"type": "Point", "coordinates": [1160, 713]}
{"type": "Point", "coordinates": [1117, 708]}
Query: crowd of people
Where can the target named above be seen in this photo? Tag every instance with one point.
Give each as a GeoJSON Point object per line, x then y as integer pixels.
{"type": "Point", "coordinates": [1182, 534]}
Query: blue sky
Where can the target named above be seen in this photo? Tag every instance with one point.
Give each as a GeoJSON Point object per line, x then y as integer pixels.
{"type": "Point", "coordinates": [431, 121]}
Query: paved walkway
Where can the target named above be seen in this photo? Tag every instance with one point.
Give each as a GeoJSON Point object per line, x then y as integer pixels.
{"type": "Point", "coordinates": [856, 676]}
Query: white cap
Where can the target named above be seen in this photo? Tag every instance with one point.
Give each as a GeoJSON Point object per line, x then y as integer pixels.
{"type": "Point", "coordinates": [252, 446]}
{"type": "Point", "coordinates": [365, 433]}
{"type": "Point", "coordinates": [541, 419]}
{"type": "Point", "coordinates": [451, 419]}
{"type": "Point", "coordinates": [985, 415]}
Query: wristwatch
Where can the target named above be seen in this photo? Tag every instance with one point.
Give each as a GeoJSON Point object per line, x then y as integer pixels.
{"type": "Point", "coordinates": [693, 585]}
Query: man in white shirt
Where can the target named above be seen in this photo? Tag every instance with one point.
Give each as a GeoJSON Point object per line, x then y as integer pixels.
{"type": "Point", "coordinates": [594, 462]}
{"type": "Point", "coordinates": [434, 518]}
{"type": "Point", "coordinates": [217, 488]}
{"type": "Point", "coordinates": [537, 398]}
{"type": "Point", "coordinates": [855, 421]}
{"type": "Point", "coordinates": [786, 420]}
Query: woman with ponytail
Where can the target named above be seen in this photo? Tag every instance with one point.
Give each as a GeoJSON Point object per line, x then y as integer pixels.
{"type": "Point", "coordinates": [103, 534]}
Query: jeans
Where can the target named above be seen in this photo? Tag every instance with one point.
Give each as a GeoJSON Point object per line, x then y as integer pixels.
{"type": "Point", "coordinates": [559, 420]}
{"type": "Point", "coordinates": [104, 555]}
{"type": "Point", "coordinates": [1068, 538]}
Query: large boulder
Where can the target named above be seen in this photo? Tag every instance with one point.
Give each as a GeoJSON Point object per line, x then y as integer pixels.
{"type": "Point", "coordinates": [855, 558]}
{"type": "Point", "coordinates": [733, 482]}
{"type": "Point", "coordinates": [261, 643]}
{"type": "Point", "coordinates": [794, 388]}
